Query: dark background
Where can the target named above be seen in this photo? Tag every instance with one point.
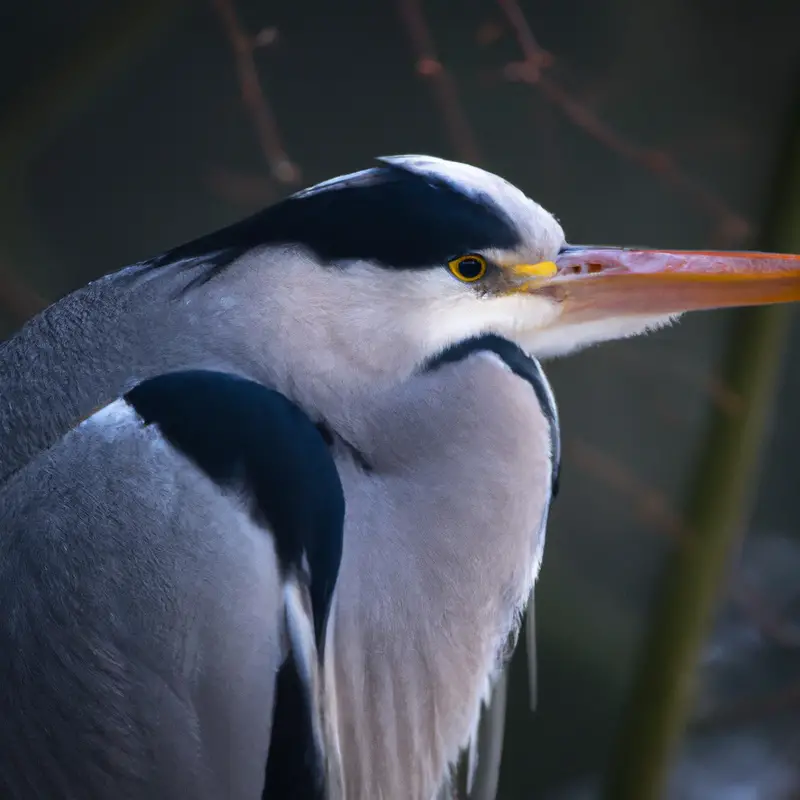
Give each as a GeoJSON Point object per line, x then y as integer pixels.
{"type": "Point", "coordinates": [123, 130]}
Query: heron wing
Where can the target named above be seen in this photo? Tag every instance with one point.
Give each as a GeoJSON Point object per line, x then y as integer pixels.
{"type": "Point", "coordinates": [144, 619]}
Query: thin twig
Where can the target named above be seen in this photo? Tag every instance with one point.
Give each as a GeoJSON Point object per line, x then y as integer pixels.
{"type": "Point", "coordinates": [490, 32]}
{"type": "Point", "coordinates": [283, 169]}
{"type": "Point", "coordinates": [444, 87]}
{"type": "Point", "coordinates": [731, 227]}
{"type": "Point", "coordinates": [241, 188]}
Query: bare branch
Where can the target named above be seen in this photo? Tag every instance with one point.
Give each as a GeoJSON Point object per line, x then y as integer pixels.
{"type": "Point", "coordinates": [730, 226]}
{"type": "Point", "coordinates": [283, 169]}
{"type": "Point", "coordinates": [489, 32]}
{"type": "Point", "coordinates": [444, 87]}
{"type": "Point", "coordinates": [241, 188]}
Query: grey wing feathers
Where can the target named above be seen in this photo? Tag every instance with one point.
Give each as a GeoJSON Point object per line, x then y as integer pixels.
{"type": "Point", "coordinates": [144, 619]}
{"type": "Point", "coordinates": [486, 769]}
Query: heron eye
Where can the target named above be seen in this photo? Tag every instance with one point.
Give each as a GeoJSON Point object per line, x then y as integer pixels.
{"type": "Point", "coordinates": [468, 268]}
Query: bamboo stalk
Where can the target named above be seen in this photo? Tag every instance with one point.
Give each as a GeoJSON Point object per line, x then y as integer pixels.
{"type": "Point", "coordinates": [727, 474]}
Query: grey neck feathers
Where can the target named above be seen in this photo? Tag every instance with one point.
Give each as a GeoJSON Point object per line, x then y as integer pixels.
{"type": "Point", "coordinates": [442, 545]}
{"type": "Point", "coordinates": [273, 316]}
{"type": "Point", "coordinates": [90, 347]}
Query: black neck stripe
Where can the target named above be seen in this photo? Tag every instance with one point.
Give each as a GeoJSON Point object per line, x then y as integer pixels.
{"type": "Point", "coordinates": [521, 364]}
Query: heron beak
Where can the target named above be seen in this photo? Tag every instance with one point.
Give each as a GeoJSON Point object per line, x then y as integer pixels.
{"type": "Point", "coordinates": [593, 283]}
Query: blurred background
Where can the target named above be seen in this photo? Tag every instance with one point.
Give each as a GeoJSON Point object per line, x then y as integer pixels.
{"type": "Point", "coordinates": [128, 127]}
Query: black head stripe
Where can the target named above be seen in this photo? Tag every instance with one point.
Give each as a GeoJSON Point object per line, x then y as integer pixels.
{"type": "Point", "coordinates": [395, 218]}
{"type": "Point", "coordinates": [521, 364]}
{"type": "Point", "coordinates": [243, 434]}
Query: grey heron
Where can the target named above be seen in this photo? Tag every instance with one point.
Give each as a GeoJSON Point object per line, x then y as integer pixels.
{"type": "Point", "coordinates": [272, 503]}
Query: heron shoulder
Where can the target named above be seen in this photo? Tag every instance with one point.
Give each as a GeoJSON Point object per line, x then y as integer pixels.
{"type": "Point", "coordinates": [244, 435]}
{"type": "Point", "coordinates": [127, 577]}
{"type": "Point", "coordinates": [247, 437]}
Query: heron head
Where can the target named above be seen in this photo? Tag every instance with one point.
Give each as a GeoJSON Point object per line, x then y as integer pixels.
{"type": "Point", "coordinates": [380, 269]}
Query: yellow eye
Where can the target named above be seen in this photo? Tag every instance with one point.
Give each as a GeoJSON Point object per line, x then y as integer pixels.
{"type": "Point", "coordinates": [468, 268]}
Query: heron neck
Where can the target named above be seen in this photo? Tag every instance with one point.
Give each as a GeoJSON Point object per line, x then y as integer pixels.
{"type": "Point", "coordinates": [443, 539]}
{"type": "Point", "coordinates": [94, 344]}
